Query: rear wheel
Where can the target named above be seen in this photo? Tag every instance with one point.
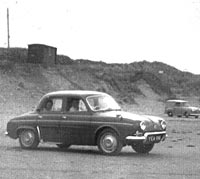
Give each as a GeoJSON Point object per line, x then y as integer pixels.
{"type": "Point", "coordinates": [142, 148]}
{"type": "Point", "coordinates": [28, 139]}
{"type": "Point", "coordinates": [170, 114]}
{"type": "Point", "coordinates": [109, 143]}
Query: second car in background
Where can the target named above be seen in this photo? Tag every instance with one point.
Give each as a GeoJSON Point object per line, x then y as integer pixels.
{"type": "Point", "coordinates": [181, 108]}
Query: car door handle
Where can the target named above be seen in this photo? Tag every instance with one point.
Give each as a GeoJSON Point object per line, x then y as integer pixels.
{"type": "Point", "coordinates": [40, 117]}
{"type": "Point", "coordinates": [64, 117]}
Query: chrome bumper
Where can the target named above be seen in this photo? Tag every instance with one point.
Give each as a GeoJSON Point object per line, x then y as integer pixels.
{"type": "Point", "coordinates": [144, 138]}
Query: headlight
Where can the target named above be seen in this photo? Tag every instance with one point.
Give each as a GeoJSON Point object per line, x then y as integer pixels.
{"type": "Point", "coordinates": [163, 124]}
{"type": "Point", "coordinates": [143, 126]}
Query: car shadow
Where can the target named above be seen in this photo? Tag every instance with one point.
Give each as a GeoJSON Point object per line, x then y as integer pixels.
{"type": "Point", "coordinates": [86, 151]}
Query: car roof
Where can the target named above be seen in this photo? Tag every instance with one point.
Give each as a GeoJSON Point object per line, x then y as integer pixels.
{"type": "Point", "coordinates": [177, 101]}
{"type": "Point", "coordinates": [74, 93]}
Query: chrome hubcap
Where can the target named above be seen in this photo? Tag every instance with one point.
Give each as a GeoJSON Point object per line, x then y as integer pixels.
{"type": "Point", "coordinates": [27, 138]}
{"type": "Point", "coordinates": [108, 143]}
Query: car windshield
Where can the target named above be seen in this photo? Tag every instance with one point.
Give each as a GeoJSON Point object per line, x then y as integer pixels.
{"type": "Point", "coordinates": [102, 103]}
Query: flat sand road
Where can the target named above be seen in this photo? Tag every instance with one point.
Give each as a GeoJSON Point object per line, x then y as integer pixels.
{"type": "Point", "coordinates": [177, 157]}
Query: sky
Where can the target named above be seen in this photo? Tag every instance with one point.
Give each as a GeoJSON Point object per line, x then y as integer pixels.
{"type": "Point", "coordinates": [113, 31]}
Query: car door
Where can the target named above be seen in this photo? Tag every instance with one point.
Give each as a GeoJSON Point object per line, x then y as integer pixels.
{"type": "Point", "coordinates": [75, 125]}
{"type": "Point", "coordinates": [49, 119]}
{"type": "Point", "coordinates": [177, 109]}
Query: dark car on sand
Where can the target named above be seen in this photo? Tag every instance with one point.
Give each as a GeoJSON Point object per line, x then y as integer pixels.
{"type": "Point", "coordinates": [86, 118]}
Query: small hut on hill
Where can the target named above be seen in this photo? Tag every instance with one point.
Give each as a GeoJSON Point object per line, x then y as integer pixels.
{"type": "Point", "coordinates": [39, 53]}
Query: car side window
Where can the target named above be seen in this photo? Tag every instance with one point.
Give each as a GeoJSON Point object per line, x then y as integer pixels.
{"type": "Point", "coordinates": [178, 104]}
{"type": "Point", "coordinates": [75, 105]}
{"type": "Point", "coordinates": [53, 105]}
{"type": "Point", "coordinates": [82, 106]}
{"type": "Point", "coordinates": [57, 105]}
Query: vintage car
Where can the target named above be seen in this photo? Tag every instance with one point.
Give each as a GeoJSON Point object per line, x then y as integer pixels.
{"type": "Point", "coordinates": [181, 108]}
{"type": "Point", "coordinates": [86, 118]}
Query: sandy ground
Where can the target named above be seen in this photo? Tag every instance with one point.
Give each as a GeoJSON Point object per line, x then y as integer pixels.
{"type": "Point", "coordinates": [177, 157]}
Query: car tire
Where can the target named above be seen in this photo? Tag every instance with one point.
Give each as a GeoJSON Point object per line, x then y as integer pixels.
{"type": "Point", "coordinates": [28, 139]}
{"type": "Point", "coordinates": [186, 114]}
{"type": "Point", "coordinates": [170, 114]}
{"type": "Point", "coordinates": [109, 142]}
{"type": "Point", "coordinates": [142, 148]}
{"type": "Point", "coordinates": [63, 145]}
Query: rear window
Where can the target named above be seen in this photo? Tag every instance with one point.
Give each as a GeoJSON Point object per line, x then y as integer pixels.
{"type": "Point", "coordinates": [52, 105]}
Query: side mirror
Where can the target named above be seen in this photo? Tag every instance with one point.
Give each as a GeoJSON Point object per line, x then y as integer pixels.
{"type": "Point", "coordinates": [38, 110]}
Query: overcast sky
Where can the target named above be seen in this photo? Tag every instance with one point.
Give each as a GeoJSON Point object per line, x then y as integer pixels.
{"type": "Point", "coordinates": [120, 31]}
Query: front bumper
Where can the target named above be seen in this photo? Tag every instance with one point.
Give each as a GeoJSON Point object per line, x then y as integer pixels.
{"type": "Point", "coordinates": [144, 138]}
{"type": "Point", "coordinates": [194, 114]}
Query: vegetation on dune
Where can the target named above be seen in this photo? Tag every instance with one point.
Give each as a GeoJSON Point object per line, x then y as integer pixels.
{"type": "Point", "coordinates": [120, 80]}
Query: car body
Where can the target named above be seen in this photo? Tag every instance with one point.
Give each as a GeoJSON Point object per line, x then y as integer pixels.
{"type": "Point", "coordinates": [98, 120]}
{"type": "Point", "coordinates": [181, 108]}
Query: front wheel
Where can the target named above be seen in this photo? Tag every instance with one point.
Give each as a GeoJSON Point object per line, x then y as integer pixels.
{"type": "Point", "coordinates": [109, 143]}
{"type": "Point", "coordinates": [142, 148]}
{"type": "Point", "coordinates": [28, 139]}
{"type": "Point", "coordinates": [186, 114]}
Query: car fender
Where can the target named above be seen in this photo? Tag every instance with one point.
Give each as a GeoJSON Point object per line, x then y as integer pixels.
{"type": "Point", "coordinates": [187, 110]}
{"type": "Point", "coordinates": [26, 127]}
{"type": "Point", "coordinates": [169, 110]}
{"type": "Point", "coordinates": [101, 128]}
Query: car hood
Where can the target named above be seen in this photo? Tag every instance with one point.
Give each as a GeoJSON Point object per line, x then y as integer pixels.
{"type": "Point", "coordinates": [194, 108]}
{"type": "Point", "coordinates": [22, 116]}
{"type": "Point", "coordinates": [152, 123]}
{"type": "Point", "coordinates": [146, 118]}
{"type": "Point", "coordinates": [132, 117]}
